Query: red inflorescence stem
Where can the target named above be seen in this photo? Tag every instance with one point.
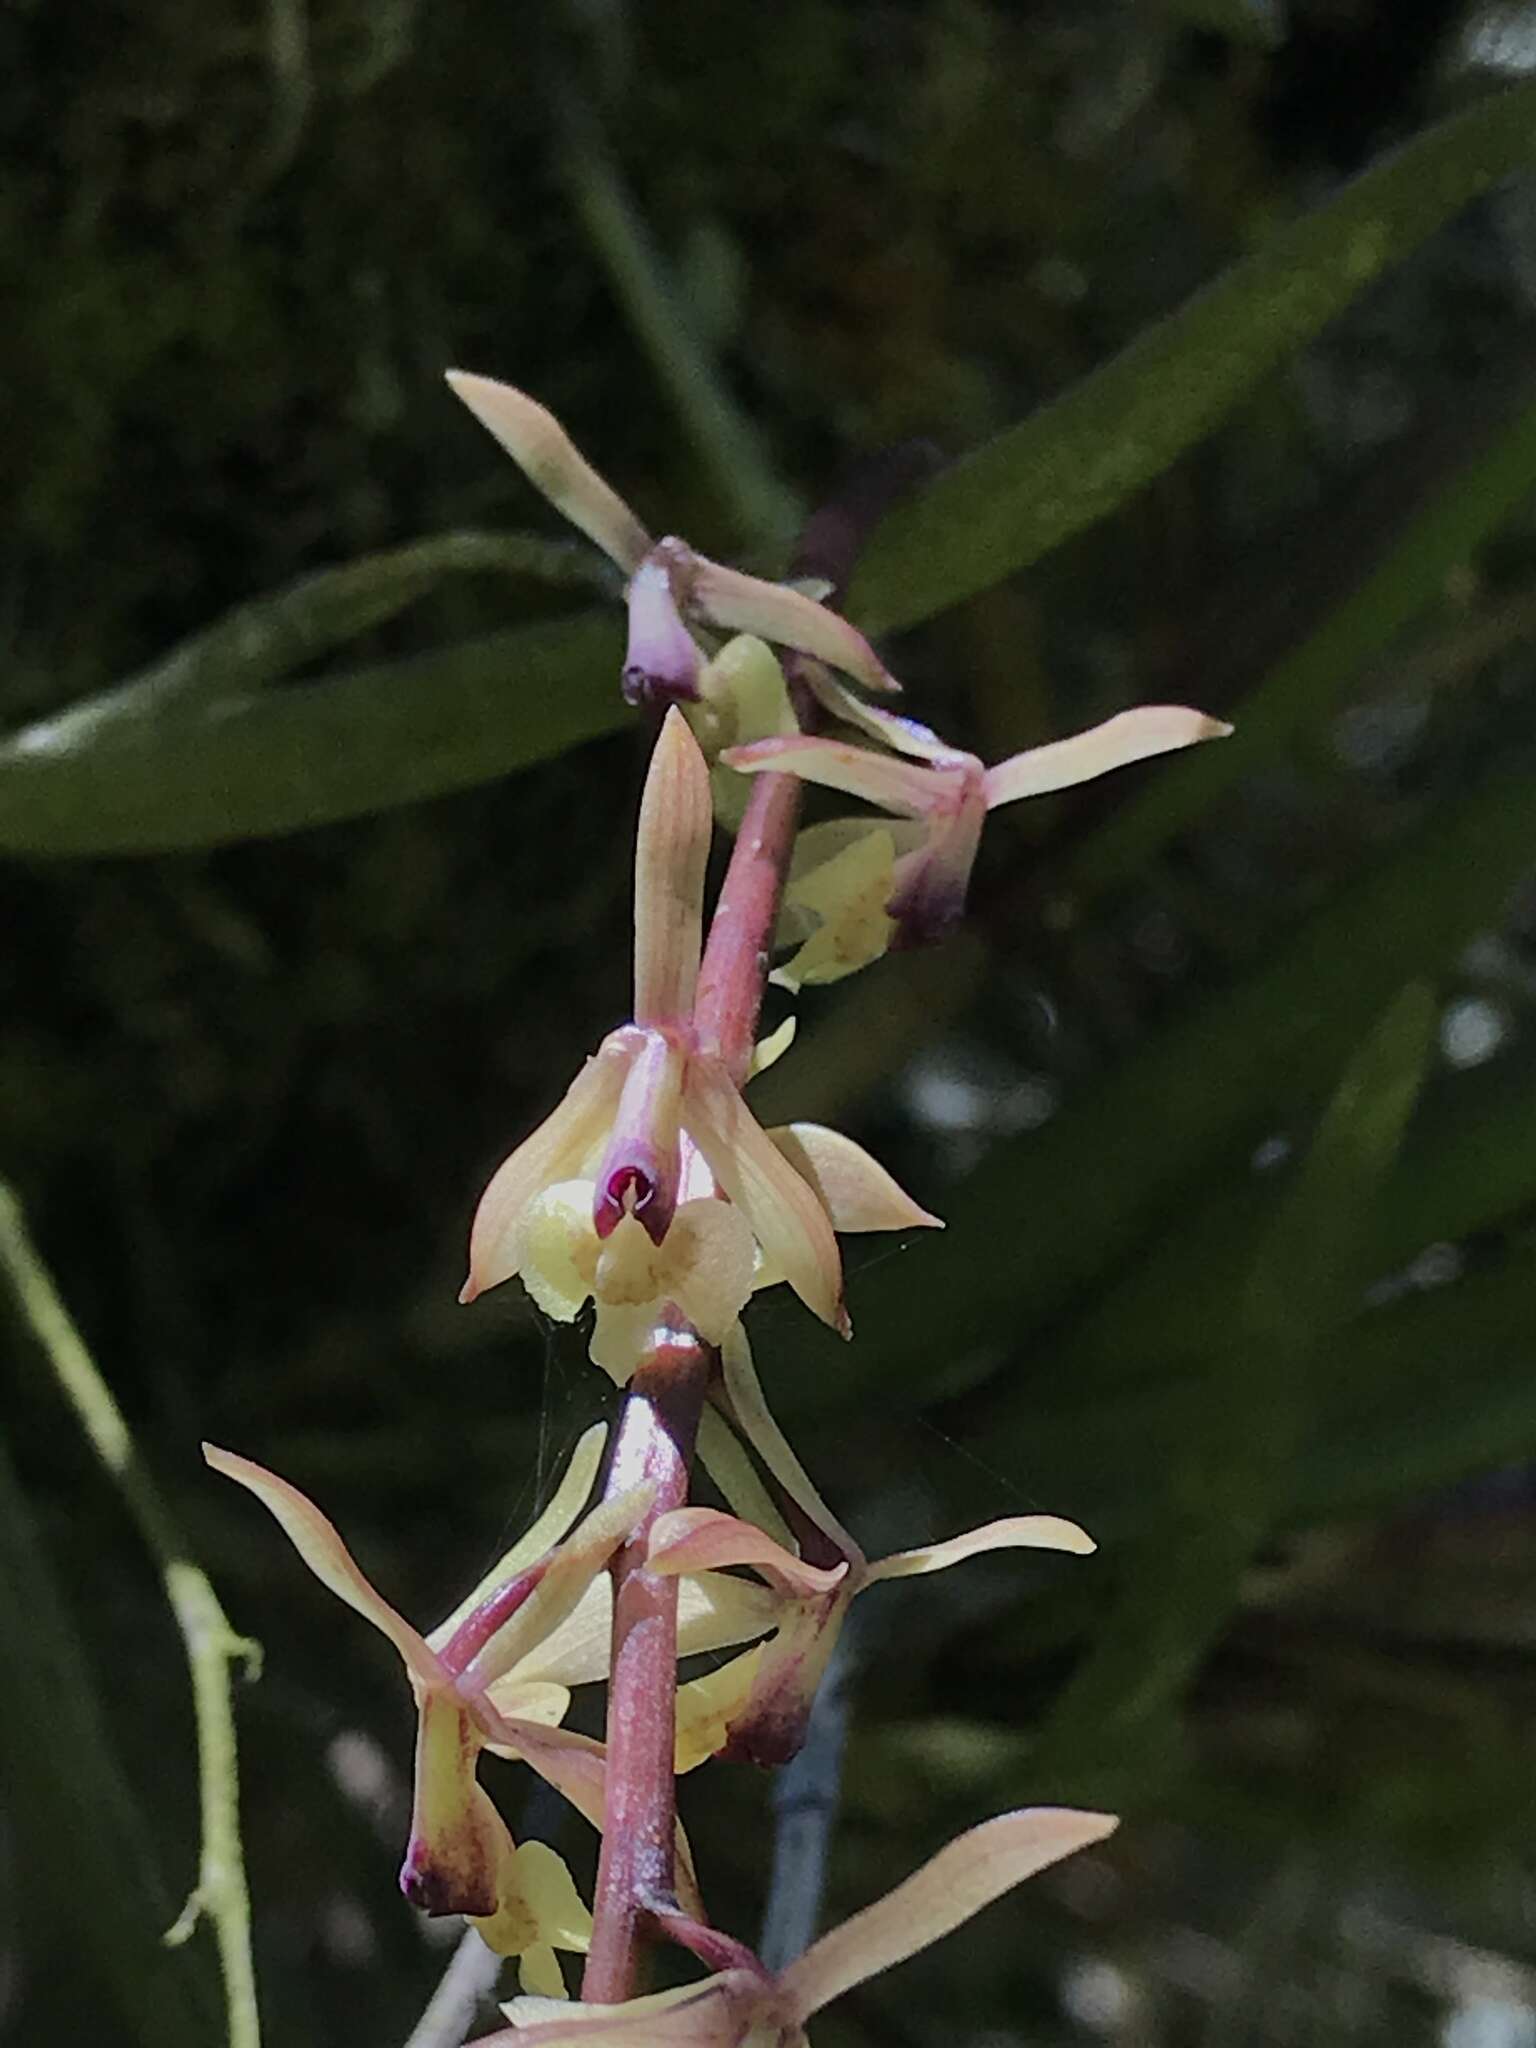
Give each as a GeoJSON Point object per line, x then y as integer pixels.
{"type": "Point", "coordinates": [636, 1869]}
{"type": "Point", "coordinates": [741, 931]}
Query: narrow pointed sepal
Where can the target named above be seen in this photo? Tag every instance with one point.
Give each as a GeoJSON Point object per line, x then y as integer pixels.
{"type": "Point", "coordinates": [552, 1153]}
{"type": "Point", "coordinates": [785, 1216]}
{"type": "Point", "coordinates": [671, 854]}
{"type": "Point", "coordinates": [1130, 736]}
{"type": "Point", "coordinates": [854, 1189]}
{"type": "Point", "coordinates": [739, 603]}
{"type": "Point", "coordinates": [1013, 1532]}
{"type": "Point", "coordinates": [900, 786]}
{"type": "Point", "coordinates": [947, 1891]}
{"type": "Point", "coordinates": [319, 1544]}
{"type": "Point", "coordinates": [552, 463]}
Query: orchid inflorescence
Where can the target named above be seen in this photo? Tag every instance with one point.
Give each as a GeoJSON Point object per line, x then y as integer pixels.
{"type": "Point", "coordinates": [653, 1192]}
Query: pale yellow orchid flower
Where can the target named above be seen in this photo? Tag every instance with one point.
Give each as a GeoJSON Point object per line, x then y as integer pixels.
{"type": "Point", "coordinates": [669, 584]}
{"type": "Point", "coordinates": [757, 1706]}
{"type": "Point", "coordinates": [486, 1679]}
{"type": "Point", "coordinates": [615, 1197]}
{"type": "Point", "coordinates": [861, 885]}
{"type": "Point", "coordinates": [744, 2008]}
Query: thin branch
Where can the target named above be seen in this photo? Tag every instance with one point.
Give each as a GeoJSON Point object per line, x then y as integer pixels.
{"type": "Point", "coordinates": [806, 1795]}
{"type": "Point", "coordinates": [211, 1644]}
{"type": "Point", "coordinates": [468, 1980]}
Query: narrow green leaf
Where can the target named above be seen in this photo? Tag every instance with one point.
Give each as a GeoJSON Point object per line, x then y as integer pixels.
{"type": "Point", "coordinates": [1434, 537]}
{"type": "Point", "coordinates": [309, 753]}
{"type": "Point", "coordinates": [1217, 1496]}
{"type": "Point", "coordinates": [1024, 492]}
{"type": "Point", "coordinates": [1048, 1212]}
{"type": "Point", "coordinates": [86, 1844]}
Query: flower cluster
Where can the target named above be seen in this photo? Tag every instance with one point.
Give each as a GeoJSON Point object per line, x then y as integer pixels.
{"type": "Point", "coordinates": [653, 1193]}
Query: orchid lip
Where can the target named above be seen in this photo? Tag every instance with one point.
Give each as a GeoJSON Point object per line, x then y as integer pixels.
{"type": "Point", "coordinates": [631, 1189]}
{"type": "Point", "coordinates": [662, 661]}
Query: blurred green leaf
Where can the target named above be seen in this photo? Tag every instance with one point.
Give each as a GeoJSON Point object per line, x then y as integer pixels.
{"type": "Point", "coordinates": [1259, 24]}
{"type": "Point", "coordinates": [85, 1837]}
{"type": "Point", "coordinates": [306, 754]}
{"type": "Point", "coordinates": [1005, 504]}
{"type": "Point", "coordinates": [1077, 1196]}
{"type": "Point", "coordinates": [1213, 1500]}
{"type": "Point", "coordinates": [1437, 530]}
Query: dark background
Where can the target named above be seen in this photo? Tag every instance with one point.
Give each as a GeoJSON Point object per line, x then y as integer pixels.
{"type": "Point", "coordinates": [249, 1092]}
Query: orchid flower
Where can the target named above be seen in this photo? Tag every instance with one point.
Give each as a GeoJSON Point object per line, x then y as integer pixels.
{"type": "Point", "coordinates": [479, 1683]}
{"type": "Point", "coordinates": [746, 2008]}
{"type": "Point", "coordinates": [757, 1706]}
{"type": "Point", "coordinates": [670, 587]}
{"type": "Point", "coordinates": [615, 1197]}
{"type": "Point", "coordinates": [864, 885]}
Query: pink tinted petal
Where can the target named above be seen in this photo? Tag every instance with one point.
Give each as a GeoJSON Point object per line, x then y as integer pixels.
{"type": "Point", "coordinates": [552, 1152]}
{"type": "Point", "coordinates": [717, 2013]}
{"type": "Point", "coordinates": [703, 1540]}
{"type": "Point", "coordinates": [319, 1544]}
{"type": "Point", "coordinates": [671, 853]}
{"type": "Point", "coordinates": [550, 460]}
{"type": "Point", "coordinates": [838, 764]}
{"type": "Point", "coordinates": [973, 1871]}
{"type": "Point", "coordinates": [789, 1223]}
{"type": "Point", "coordinates": [746, 604]}
{"type": "Point", "coordinates": [1014, 1532]}
{"type": "Point", "coordinates": [1131, 736]}
{"type": "Point", "coordinates": [854, 1189]}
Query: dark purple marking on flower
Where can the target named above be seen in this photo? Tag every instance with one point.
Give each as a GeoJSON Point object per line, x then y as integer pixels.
{"type": "Point", "coordinates": [630, 1189]}
{"type": "Point", "coordinates": [769, 1737]}
{"type": "Point", "coordinates": [436, 1889]}
{"type": "Point", "coordinates": [927, 907]}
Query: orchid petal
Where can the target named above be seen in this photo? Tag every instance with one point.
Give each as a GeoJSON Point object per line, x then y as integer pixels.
{"type": "Point", "coordinates": [703, 1539]}
{"type": "Point", "coordinates": [671, 853]}
{"type": "Point", "coordinates": [550, 460]}
{"type": "Point", "coordinates": [713, 2014]}
{"type": "Point", "coordinates": [571, 1568]}
{"type": "Point", "coordinates": [714, 1612]}
{"type": "Point", "coordinates": [458, 1841]}
{"type": "Point", "coordinates": [887, 728]}
{"type": "Point", "coordinates": [770, 1725]}
{"type": "Point", "coordinates": [530, 1699]}
{"type": "Point", "coordinates": [948, 1890]}
{"type": "Point", "coordinates": [744, 686]}
{"type": "Point", "coordinates": [711, 1254]}
{"type": "Point", "coordinates": [854, 1189]}
{"type": "Point", "coordinates": [622, 1333]}
{"type": "Point", "coordinates": [319, 1544]}
{"type": "Point", "coordinates": [786, 1218]}
{"type": "Point", "coordinates": [550, 1890]}
{"type": "Point", "coordinates": [538, 1971]}
{"type": "Point", "coordinates": [1013, 1532]}
{"type": "Point", "coordinates": [707, 1706]}
{"type": "Point", "coordinates": [770, 1050]}
{"type": "Point", "coordinates": [555, 1249]}
{"type": "Point", "coordinates": [1130, 736]}
{"type": "Point", "coordinates": [566, 1503]}
{"type": "Point", "coordinates": [746, 604]}
{"type": "Point", "coordinates": [847, 895]}
{"type": "Point", "coordinates": [724, 1457]}
{"type": "Point", "coordinates": [879, 779]}
{"type": "Point", "coordinates": [753, 1418]}
{"type": "Point", "coordinates": [551, 1153]}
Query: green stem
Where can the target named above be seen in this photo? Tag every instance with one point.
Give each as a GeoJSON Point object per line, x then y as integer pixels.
{"type": "Point", "coordinates": [211, 1644]}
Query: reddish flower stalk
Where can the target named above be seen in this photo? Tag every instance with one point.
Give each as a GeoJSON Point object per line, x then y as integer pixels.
{"type": "Point", "coordinates": [635, 1873]}
{"type": "Point", "coordinates": [736, 957]}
